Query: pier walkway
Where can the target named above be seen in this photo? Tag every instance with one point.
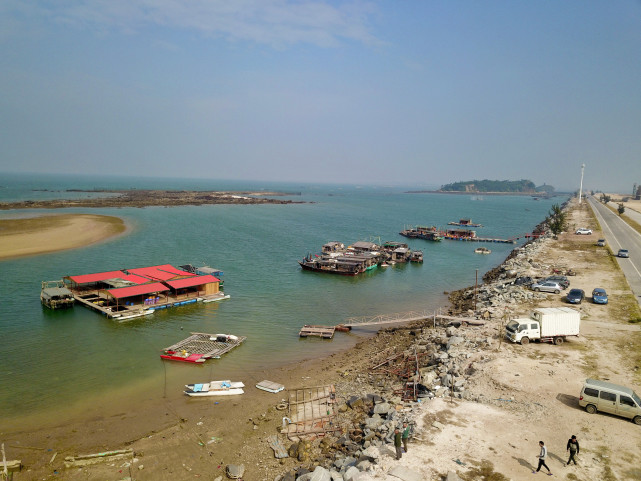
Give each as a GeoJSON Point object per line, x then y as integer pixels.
{"type": "Point", "coordinates": [405, 317]}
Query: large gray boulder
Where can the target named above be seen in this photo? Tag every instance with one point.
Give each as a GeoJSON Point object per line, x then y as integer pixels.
{"type": "Point", "coordinates": [319, 474]}
{"type": "Point", "coordinates": [350, 473]}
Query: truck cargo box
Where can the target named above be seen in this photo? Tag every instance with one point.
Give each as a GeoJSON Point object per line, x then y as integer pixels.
{"type": "Point", "coordinates": [557, 321]}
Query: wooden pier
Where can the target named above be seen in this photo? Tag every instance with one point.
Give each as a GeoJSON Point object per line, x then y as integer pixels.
{"type": "Point", "coordinates": [209, 346]}
{"type": "Point", "coordinates": [95, 300]}
{"type": "Point", "coordinates": [404, 317]}
{"type": "Point", "coordinates": [326, 332]}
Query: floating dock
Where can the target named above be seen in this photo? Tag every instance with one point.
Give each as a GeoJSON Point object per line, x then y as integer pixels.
{"type": "Point", "coordinates": [326, 332]}
{"type": "Point", "coordinates": [201, 346]}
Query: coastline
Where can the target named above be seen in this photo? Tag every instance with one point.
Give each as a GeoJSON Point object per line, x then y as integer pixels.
{"type": "Point", "coordinates": [52, 233]}
{"type": "Point", "coordinates": [166, 437]}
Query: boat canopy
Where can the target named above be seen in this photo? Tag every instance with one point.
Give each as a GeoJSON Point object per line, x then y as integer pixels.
{"type": "Point", "coordinates": [140, 290]}
{"type": "Point", "coordinates": [192, 281]}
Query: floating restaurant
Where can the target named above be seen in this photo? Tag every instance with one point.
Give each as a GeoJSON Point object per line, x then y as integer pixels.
{"type": "Point", "coordinates": [130, 293]}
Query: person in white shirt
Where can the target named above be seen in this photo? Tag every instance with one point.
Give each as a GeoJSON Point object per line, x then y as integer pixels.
{"type": "Point", "coordinates": [542, 457]}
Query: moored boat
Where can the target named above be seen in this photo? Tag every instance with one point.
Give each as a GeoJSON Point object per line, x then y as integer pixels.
{"type": "Point", "coordinates": [482, 250]}
{"type": "Point", "coordinates": [214, 388]}
{"type": "Point", "coordinates": [430, 233]}
{"type": "Point", "coordinates": [55, 295]}
{"type": "Point", "coordinates": [465, 223]}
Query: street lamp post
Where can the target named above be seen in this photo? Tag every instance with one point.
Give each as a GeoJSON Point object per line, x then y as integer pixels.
{"type": "Point", "coordinates": [581, 186]}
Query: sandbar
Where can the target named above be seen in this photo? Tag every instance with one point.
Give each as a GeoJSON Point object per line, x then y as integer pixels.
{"type": "Point", "coordinates": [52, 233]}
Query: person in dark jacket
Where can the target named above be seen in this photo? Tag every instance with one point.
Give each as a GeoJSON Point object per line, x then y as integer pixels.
{"type": "Point", "coordinates": [397, 443]}
{"type": "Point", "coordinates": [405, 436]}
{"type": "Point", "coordinates": [573, 448]}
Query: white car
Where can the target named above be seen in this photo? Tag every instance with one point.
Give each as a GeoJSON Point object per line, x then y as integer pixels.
{"type": "Point", "coordinates": [583, 231]}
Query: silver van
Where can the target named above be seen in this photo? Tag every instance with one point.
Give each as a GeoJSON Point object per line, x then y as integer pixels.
{"type": "Point", "coordinates": [610, 398]}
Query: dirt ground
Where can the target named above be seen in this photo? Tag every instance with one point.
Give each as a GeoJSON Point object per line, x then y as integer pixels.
{"type": "Point", "coordinates": [530, 393]}
{"type": "Point", "coordinates": [519, 395]}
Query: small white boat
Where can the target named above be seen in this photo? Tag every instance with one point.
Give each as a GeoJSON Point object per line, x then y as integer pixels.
{"type": "Point", "coordinates": [482, 250]}
{"type": "Point", "coordinates": [270, 386]}
{"type": "Point", "coordinates": [214, 388]}
{"type": "Point", "coordinates": [216, 299]}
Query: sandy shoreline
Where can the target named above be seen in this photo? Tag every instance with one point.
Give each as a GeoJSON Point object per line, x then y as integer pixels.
{"type": "Point", "coordinates": [52, 233]}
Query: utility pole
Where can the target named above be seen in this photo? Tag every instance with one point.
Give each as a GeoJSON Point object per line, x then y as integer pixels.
{"type": "Point", "coordinates": [581, 186]}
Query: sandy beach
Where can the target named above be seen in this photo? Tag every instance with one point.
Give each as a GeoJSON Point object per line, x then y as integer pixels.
{"type": "Point", "coordinates": [514, 396]}
{"type": "Point", "coordinates": [51, 233]}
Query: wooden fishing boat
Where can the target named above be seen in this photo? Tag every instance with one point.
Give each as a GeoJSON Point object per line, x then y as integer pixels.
{"type": "Point", "coordinates": [465, 223]}
{"type": "Point", "coordinates": [214, 388]}
{"type": "Point", "coordinates": [55, 295]}
{"type": "Point", "coordinates": [429, 233]}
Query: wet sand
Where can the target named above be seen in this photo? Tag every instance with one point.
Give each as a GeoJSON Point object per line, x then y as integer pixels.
{"type": "Point", "coordinates": [52, 233]}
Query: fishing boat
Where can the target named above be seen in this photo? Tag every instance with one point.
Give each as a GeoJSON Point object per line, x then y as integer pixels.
{"type": "Point", "coordinates": [270, 386]}
{"type": "Point", "coordinates": [429, 233]}
{"type": "Point", "coordinates": [55, 295]}
{"type": "Point", "coordinates": [482, 250]}
{"type": "Point", "coordinates": [214, 388]}
{"type": "Point", "coordinates": [465, 223]}
{"type": "Point", "coordinates": [416, 256]}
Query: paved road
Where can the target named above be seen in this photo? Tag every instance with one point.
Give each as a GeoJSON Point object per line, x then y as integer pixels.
{"type": "Point", "coordinates": [620, 235]}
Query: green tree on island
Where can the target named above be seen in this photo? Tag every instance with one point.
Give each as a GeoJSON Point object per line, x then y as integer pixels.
{"type": "Point", "coordinates": [556, 219]}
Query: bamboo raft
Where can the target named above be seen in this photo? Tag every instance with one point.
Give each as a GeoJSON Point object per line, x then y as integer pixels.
{"type": "Point", "coordinates": [207, 345]}
{"type": "Point", "coordinates": [326, 332]}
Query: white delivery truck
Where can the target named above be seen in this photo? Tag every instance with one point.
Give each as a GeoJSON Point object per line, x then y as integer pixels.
{"type": "Point", "coordinates": [545, 324]}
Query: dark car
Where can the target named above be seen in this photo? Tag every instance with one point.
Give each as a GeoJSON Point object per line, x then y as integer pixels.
{"type": "Point", "coordinates": [562, 280]}
{"type": "Point", "coordinates": [575, 296]}
{"type": "Point", "coordinates": [599, 296]}
{"type": "Point", "coordinates": [523, 281]}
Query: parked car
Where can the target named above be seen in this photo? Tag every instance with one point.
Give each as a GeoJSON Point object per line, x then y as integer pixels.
{"type": "Point", "coordinates": [575, 296]}
{"type": "Point", "coordinates": [583, 231]}
{"type": "Point", "coordinates": [547, 286]}
{"type": "Point", "coordinates": [562, 280]}
{"type": "Point", "coordinates": [623, 253]}
{"type": "Point", "coordinates": [523, 281]}
{"type": "Point", "coordinates": [610, 398]}
{"type": "Point", "coordinates": [601, 242]}
{"type": "Point", "coordinates": [599, 296]}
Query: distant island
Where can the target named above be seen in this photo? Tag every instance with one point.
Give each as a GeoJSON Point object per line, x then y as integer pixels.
{"type": "Point", "coordinates": [149, 198]}
{"type": "Point", "coordinates": [523, 186]}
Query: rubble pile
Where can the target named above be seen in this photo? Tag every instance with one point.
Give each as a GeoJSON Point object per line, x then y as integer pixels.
{"type": "Point", "coordinates": [446, 358]}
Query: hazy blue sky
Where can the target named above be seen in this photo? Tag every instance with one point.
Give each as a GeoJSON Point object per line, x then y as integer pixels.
{"type": "Point", "coordinates": [386, 92]}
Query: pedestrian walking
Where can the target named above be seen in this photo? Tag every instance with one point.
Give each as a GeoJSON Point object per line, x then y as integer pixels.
{"type": "Point", "coordinates": [397, 443]}
{"type": "Point", "coordinates": [406, 435]}
{"type": "Point", "coordinates": [542, 457]}
{"type": "Point", "coordinates": [573, 448]}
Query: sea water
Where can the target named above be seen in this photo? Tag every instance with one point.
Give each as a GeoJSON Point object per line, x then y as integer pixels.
{"type": "Point", "coordinates": [54, 363]}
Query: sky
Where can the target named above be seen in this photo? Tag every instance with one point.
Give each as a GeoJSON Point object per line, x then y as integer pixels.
{"type": "Point", "coordinates": [403, 92]}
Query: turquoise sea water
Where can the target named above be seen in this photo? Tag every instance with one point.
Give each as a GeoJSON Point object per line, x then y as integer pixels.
{"type": "Point", "coordinates": [65, 361]}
